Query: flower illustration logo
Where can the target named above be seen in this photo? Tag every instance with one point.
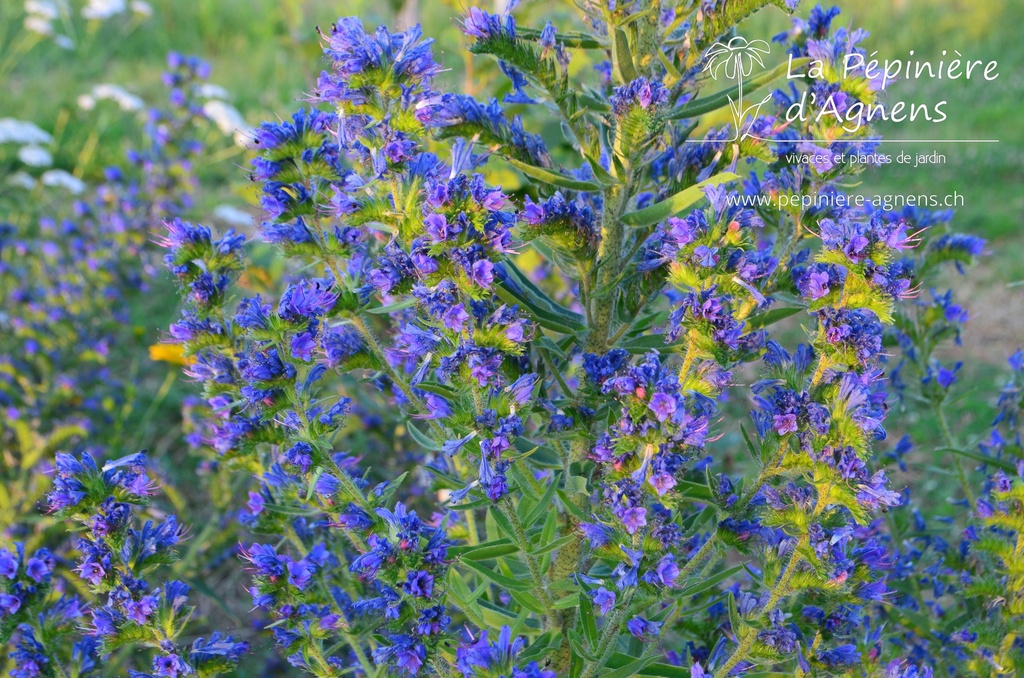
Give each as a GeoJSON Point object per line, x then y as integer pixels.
{"type": "Point", "coordinates": [736, 60]}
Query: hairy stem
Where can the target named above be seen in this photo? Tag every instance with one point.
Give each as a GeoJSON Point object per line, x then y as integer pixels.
{"type": "Point", "coordinates": [940, 413]}
{"type": "Point", "coordinates": [523, 542]}
{"type": "Point", "coordinates": [774, 598]}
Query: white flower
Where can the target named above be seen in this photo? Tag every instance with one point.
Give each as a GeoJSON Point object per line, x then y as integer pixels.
{"type": "Point", "coordinates": [228, 120]}
{"type": "Point", "coordinates": [232, 216]}
{"type": "Point", "coordinates": [44, 9]}
{"type": "Point", "coordinates": [22, 132]}
{"type": "Point", "coordinates": [142, 8]}
{"type": "Point", "coordinates": [122, 97]}
{"type": "Point", "coordinates": [103, 9]}
{"type": "Point", "coordinates": [62, 179]}
{"type": "Point", "coordinates": [35, 156]}
{"type": "Point", "coordinates": [22, 179]}
{"type": "Point", "coordinates": [38, 24]}
{"type": "Point", "coordinates": [64, 42]}
{"type": "Point", "coordinates": [208, 90]}
{"type": "Point", "coordinates": [86, 102]}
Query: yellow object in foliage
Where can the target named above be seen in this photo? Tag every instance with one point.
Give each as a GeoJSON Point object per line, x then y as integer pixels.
{"type": "Point", "coordinates": [169, 353]}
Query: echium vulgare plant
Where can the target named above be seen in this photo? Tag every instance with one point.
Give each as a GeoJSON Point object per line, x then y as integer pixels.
{"type": "Point", "coordinates": [555, 372]}
{"type": "Point", "coordinates": [68, 274]}
{"type": "Point", "coordinates": [55, 632]}
{"type": "Point", "coordinates": [102, 601]}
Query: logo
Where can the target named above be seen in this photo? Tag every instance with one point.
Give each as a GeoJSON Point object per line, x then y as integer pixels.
{"type": "Point", "coordinates": [855, 71]}
{"type": "Point", "coordinates": [735, 60]}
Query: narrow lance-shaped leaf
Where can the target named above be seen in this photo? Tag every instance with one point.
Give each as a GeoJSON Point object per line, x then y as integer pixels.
{"type": "Point", "coordinates": [569, 39]}
{"type": "Point", "coordinates": [675, 204]}
{"type": "Point", "coordinates": [553, 178]}
{"type": "Point", "coordinates": [622, 59]}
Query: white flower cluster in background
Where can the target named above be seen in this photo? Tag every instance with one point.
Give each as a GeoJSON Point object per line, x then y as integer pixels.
{"type": "Point", "coordinates": [41, 15]}
{"type": "Point", "coordinates": [228, 120]}
{"type": "Point", "coordinates": [30, 139]}
{"type": "Point", "coordinates": [233, 216]}
{"type": "Point", "coordinates": [35, 156]}
{"type": "Point", "coordinates": [101, 10]}
{"type": "Point", "coordinates": [22, 132]}
{"type": "Point", "coordinates": [61, 179]}
{"type": "Point", "coordinates": [119, 95]}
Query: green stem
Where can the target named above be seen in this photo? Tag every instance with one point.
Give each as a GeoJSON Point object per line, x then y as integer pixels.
{"type": "Point", "coordinates": [352, 641]}
{"type": "Point", "coordinates": [695, 560]}
{"type": "Point", "coordinates": [378, 352]}
{"type": "Point", "coordinates": [940, 413]}
{"type": "Point", "coordinates": [605, 644]}
{"type": "Point", "coordinates": [506, 509]}
{"type": "Point", "coordinates": [790, 246]}
{"type": "Point", "coordinates": [774, 598]}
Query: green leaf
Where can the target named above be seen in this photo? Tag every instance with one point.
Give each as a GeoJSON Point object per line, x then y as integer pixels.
{"type": "Point", "coordinates": [675, 204]}
{"type": "Point", "coordinates": [397, 306]}
{"type": "Point", "coordinates": [502, 521]}
{"type": "Point", "coordinates": [756, 322]}
{"type": "Point", "coordinates": [708, 582]}
{"type": "Point", "coordinates": [735, 621]}
{"type": "Point", "coordinates": [549, 529]}
{"type": "Point", "coordinates": [529, 601]}
{"type": "Point", "coordinates": [437, 389]}
{"type": "Point", "coordinates": [537, 296]}
{"type": "Point", "coordinates": [544, 506]}
{"type": "Point", "coordinates": [753, 451]}
{"type": "Point", "coordinates": [460, 594]}
{"type": "Point", "coordinates": [312, 483]}
{"type": "Point", "coordinates": [645, 343]}
{"type": "Point", "coordinates": [588, 619]}
{"type": "Point", "coordinates": [718, 100]}
{"type": "Point", "coordinates": [571, 507]}
{"type": "Point", "coordinates": [632, 668]}
{"type": "Point", "coordinates": [542, 316]}
{"type": "Point", "coordinates": [577, 644]}
{"type": "Point", "coordinates": [568, 39]}
{"type": "Point", "coordinates": [553, 178]}
{"type": "Point", "coordinates": [499, 579]}
{"type": "Point", "coordinates": [421, 438]}
{"type": "Point", "coordinates": [576, 485]}
{"type": "Point", "coordinates": [524, 483]}
{"type": "Point", "coordinates": [694, 491]}
{"type": "Point", "coordinates": [476, 503]}
{"type": "Point", "coordinates": [536, 649]}
{"type": "Point", "coordinates": [496, 617]}
{"type": "Point", "coordinates": [619, 660]}
{"type": "Point", "coordinates": [485, 551]}
{"type": "Point", "coordinates": [569, 601]}
{"type": "Point", "coordinates": [556, 544]}
{"type": "Point", "coordinates": [622, 59]}
{"type": "Point", "coordinates": [1004, 464]}
{"type": "Point", "coordinates": [548, 345]}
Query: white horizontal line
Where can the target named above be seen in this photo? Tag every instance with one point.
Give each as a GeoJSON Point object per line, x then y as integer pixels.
{"type": "Point", "coordinates": [893, 141]}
